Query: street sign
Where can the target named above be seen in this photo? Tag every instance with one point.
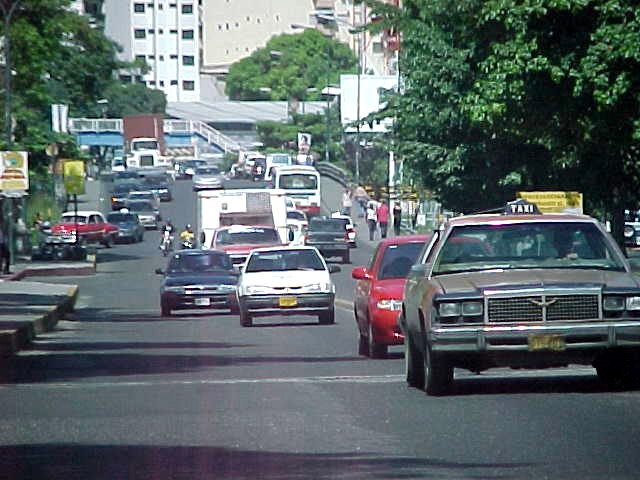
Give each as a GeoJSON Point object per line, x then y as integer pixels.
{"type": "Point", "coordinates": [554, 202]}
{"type": "Point", "coordinates": [14, 172]}
{"type": "Point", "coordinates": [73, 172]}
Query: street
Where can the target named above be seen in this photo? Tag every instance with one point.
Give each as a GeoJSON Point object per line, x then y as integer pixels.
{"type": "Point", "coordinates": [119, 392]}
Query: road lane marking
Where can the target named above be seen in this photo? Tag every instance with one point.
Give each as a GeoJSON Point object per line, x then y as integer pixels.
{"type": "Point", "coordinates": [231, 381]}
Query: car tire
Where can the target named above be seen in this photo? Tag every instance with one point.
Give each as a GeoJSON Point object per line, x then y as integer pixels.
{"type": "Point", "coordinates": [376, 350]}
{"type": "Point", "coordinates": [413, 364]}
{"type": "Point", "coordinates": [328, 317]}
{"type": "Point", "coordinates": [618, 369]}
{"type": "Point", "coordinates": [165, 309]}
{"type": "Point", "coordinates": [107, 242]}
{"type": "Point", "coordinates": [363, 345]}
{"type": "Point", "coordinates": [234, 308]}
{"type": "Point", "coordinates": [245, 318]}
{"type": "Point", "coordinates": [438, 373]}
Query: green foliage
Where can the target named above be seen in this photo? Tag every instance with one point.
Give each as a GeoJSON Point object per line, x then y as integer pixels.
{"type": "Point", "coordinates": [290, 66]}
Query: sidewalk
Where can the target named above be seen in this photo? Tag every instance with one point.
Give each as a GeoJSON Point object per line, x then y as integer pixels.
{"type": "Point", "coordinates": [31, 308]}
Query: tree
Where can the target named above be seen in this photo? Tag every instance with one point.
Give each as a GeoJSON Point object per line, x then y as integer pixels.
{"type": "Point", "coordinates": [290, 66]}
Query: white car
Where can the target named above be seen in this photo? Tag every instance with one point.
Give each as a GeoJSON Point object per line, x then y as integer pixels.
{"type": "Point", "coordinates": [286, 281]}
{"type": "Point", "coordinates": [297, 223]}
{"type": "Point", "coordinates": [207, 177]}
{"type": "Point", "coordinates": [349, 227]}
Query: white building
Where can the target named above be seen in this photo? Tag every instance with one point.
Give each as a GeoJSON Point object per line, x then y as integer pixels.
{"type": "Point", "coordinates": [163, 33]}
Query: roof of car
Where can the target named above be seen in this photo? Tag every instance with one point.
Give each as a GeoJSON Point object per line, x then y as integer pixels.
{"type": "Point", "coordinates": [404, 239]}
{"type": "Point", "coordinates": [497, 219]}
{"type": "Point", "coordinates": [191, 251]}
{"type": "Point", "coordinates": [283, 247]}
{"type": "Point", "coordinates": [81, 213]}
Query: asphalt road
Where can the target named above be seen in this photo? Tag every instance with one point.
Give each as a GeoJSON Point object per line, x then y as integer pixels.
{"type": "Point", "coordinates": [117, 392]}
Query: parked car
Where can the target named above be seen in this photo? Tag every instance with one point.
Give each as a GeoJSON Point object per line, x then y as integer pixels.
{"type": "Point", "coordinates": [329, 236]}
{"type": "Point", "coordinates": [198, 279]}
{"type": "Point", "coordinates": [239, 240]}
{"type": "Point", "coordinates": [286, 281]}
{"type": "Point", "coordinates": [377, 297]}
{"type": "Point", "coordinates": [543, 291]}
{"type": "Point", "coordinates": [84, 226]}
{"type": "Point", "coordinates": [130, 228]}
{"type": "Point", "coordinates": [207, 177]}
{"type": "Point", "coordinates": [147, 213]}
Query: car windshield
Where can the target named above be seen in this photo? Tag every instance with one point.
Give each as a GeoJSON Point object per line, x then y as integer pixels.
{"type": "Point", "coordinates": [125, 187]}
{"type": "Point", "coordinates": [253, 236]}
{"type": "Point", "coordinates": [281, 159]}
{"type": "Point", "coordinates": [207, 171]}
{"type": "Point", "coordinates": [298, 181]}
{"type": "Point", "coordinates": [140, 205]}
{"type": "Point", "coordinates": [155, 180]}
{"type": "Point", "coordinates": [333, 225]}
{"type": "Point", "coordinates": [121, 217]}
{"type": "Point", "coordinates": [398, 259]}
{"type": "Point", "coordinates": [283, 260]}
{"type": "Point", "coordinates": [295, 215]}
{"type": "Point", "coordinates": [200, 262]}
{"type": "Point", "coordinates": [526, 246]}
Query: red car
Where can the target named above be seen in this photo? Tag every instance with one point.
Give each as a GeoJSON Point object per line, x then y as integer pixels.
{"type": "Point", "coordinates": [377, 298]}
{"type": "Point", "coordinates": [91, 228]}
{"type": "Point", "coordinates": [238, 240]}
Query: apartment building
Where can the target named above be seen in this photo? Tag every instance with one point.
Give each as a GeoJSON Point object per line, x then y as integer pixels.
{"type": "Point", "coordinates": [163, 33]}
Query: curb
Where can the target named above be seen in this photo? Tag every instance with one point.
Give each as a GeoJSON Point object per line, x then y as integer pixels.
{"type": "Point", "coordinates": [22, 332]}
{"type": "Point", "coordinates": [85, 268]}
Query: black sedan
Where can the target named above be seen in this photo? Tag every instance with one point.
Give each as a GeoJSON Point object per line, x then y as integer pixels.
{"type": "Point", "coordinates": [198, 279]}
{"type": "Point", "coordinates": [329, 235]}
{"type": "Point", "coordinates": [130, 229]}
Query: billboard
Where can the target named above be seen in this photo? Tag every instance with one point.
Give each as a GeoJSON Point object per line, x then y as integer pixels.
{"type": "Point", "coordinates": [369, 89]}
{"type": "Point", "coordinates": [554, 202]}
{"type": "Point", "coordinates": [73, 173]}
{"type": "Point", "coordinates": [14, 172]}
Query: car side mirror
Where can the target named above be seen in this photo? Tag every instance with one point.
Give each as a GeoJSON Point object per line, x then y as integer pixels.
{"type": "Point", "coordinates": [360, 273]}
{"type": "Point", "coordinates": [159, 271]}
{"type": "Point", "coordinates": [418, 270]}
{"type": "Point", "coordinates": [334, 268]}
{"type": "Point", "coordinates": [291, 235]}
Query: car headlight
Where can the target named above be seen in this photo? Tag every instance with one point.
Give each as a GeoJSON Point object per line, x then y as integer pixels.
{"type": "Point", "coordinates": [256, 289]}
{"type": "Point", "coordinates": [227, 288]}
{"type": "Point", "coordinates": [629, 231]}
{"type": "Point", "coordinates": [318, 287]}
{"type": "Point", "coordinates": [174, 289]}
{"type": "Point", "coordinates": [389, 304]}
{"type": "Point", "coordinates": [455, 309]}
{"type": "Point", "coordinates": [633, 303]}
{"type": "Point", "coordinates": [613, 303]}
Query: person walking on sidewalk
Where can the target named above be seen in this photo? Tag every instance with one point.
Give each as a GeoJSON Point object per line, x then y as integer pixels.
{"type": "Point", "coordinates": [372, 219]}
{"type": "Point", "coordinates": [383, 218]}
{"type": "Point", "coordinates": [346, 202]}
{"type": "Point", "coordinates": [5, 258]}
{"type": "Point", "coordinates": [397, 218]}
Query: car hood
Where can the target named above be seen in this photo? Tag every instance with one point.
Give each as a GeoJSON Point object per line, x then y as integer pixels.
{"type": "Point", "coordinates": [289, 278]}
{"type": "Point", "coordinates": [245, 247]}
{"type": "Point", "coordinates": [391, 288]}
{"type": "Point", "coordinates": [473, 282]}
{"type": "Point", "coordinates": [205, 278]}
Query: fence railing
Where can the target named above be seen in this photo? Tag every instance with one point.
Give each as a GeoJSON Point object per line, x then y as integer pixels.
{"type": "Point", "coordinates": [330, 170]}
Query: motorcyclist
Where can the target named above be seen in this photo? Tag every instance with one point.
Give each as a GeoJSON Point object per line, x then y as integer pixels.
{"type": "Point", "coordinates": [167, 231]}
{"type": "Point", "coordinates": [187, 236]}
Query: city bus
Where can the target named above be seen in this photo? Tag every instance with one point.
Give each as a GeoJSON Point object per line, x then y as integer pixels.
{"type": "Point", "coordinates": [302, 184]}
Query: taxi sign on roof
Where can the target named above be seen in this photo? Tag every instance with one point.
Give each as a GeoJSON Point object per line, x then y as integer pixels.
{"type": "Point", "coordinates": [521, 207]}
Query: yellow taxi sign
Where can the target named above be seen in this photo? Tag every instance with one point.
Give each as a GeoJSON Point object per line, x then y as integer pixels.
{"type": "Point", "coordinates": [555, 202]}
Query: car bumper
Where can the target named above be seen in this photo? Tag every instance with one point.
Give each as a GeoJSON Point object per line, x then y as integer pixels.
{"type": "Point", "coordinates": [329, 250]}
{"type": "Point", "coordinates": [305, 304]}
{"type": "Point", "coordinates": [385, 327]}
{"type": "Point", "coordinates": [206, 301]}
{"type": "Point", "coordinates": [128, 235]}
{"type": "Point", "coordinates": [564, 338]}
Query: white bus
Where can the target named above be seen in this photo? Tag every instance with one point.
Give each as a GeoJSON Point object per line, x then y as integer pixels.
{"type": "Point", "coordinates": [302, 184]}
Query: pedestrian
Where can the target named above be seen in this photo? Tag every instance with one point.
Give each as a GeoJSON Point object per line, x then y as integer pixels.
{"type": "Point", "coordinates": [372, 219]}
{"type": "Point", "coordinates": [361, 199]}
{"type": "Point", "coordinates": [382, 214]}
{"type": "Point", "coordinates": [397, 218]}
{"type": "Point", "coordinates": [5, 258]}
{"type": "Point", "coordinates": [346, 202]}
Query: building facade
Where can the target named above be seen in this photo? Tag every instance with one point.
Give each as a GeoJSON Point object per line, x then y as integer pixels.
{"type": "Point", "coordinates": [165, 34]}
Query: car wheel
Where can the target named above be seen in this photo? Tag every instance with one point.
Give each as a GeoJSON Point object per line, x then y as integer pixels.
{"type": "Point", "coordinates": [376, 350]}
{"type": "Point", "coordinates": [245, 318]}
{"type": "Point", "coordinates": [165, 310]}
{"type": "Point", "coordinates": [363, 346]}
{"type": "Point", "coordinates": [413, 364]}
{"type": "Point", "coordinates": [234, 308]}
{"type": "Point", "coordinates": [438, 373]}
{"type": "Point", "coordinates": [328, 317]}
{"type": "Point", "coordinates": [618, 370]}
{"type": "Point", "coordinates": [107, 242]}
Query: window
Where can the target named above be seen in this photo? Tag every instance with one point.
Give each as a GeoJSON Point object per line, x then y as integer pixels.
{"type": "Point", "coordinates": [187, 34]}
{"type": "Point", "coordinates": [152, 82]}
{"type": "Point", "coordinates": [142, 58]}
{"type": "Point", "coordinates": [174, 57]}
{"type": "Point", "coordinates": [173, 30]}
{"type": "Point", "coordinates": [151, 31]}
{"type": "Point", "coordinates": [161, 57]}
{"type": "Point", "coordinates": [188, 60]}
{"type": "Point", "coordinates": [174, 82]}
{"type": "Point", "coordinates": [188, 85]}
{"type": "Point", "coordinates": [187, 8]}
{"type": "Point", "coordinates": [139, 33]}
{"type": "Point", "coordinates": [138, 8]}
{"type": "Point", "coordinates": [162, 83]}
{"type": "Point", "coordinates": [151, 57]}
{"type": "Point", "coordinates": [160, 31]}
{"type": "Point", "coordinates": [227, 26]}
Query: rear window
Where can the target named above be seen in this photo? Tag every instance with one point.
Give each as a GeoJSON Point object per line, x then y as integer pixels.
{"type": "Point", "coordinates": [140, 205]}
{"type": "Point", "coordinates": [253, 236]}
{"type": "Point", "coordinates": [283, 260]}
{"type": "Point", "coordinates": [298, 181]}
{"type": "Point", "coordinates": [207, 170]}
{"type": "Point", "coordinates": [295, 215]}
{"type": "Point", "coordinates": [73, 219]}
{"type": "Point", "coordinates": [122, 217]}
{"type": "Point", "coordinates": [204, 262]}
{"type": "Point", "coordinates": [398, 259]}
{"type": "Point", "coordinates": [334, 225]}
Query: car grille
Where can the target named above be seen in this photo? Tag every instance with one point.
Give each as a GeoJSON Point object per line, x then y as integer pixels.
{"type": "Point", "coordinates": [538, 308]}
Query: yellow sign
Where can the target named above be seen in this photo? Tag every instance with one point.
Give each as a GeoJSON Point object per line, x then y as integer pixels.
{"type": "Point", "coordinates": [14, 171]}
{"type": "Point", "coordinates": [73, 172]}
{"type": "Point", "coordinates": [555, 202]}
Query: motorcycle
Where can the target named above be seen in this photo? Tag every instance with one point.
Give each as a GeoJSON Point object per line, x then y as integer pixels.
{"type": "Point", "coordinates": [167, 243]}
{"type": "Point", "coordinates": [186, 244]}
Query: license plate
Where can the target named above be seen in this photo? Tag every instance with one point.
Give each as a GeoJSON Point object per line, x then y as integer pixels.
{"type": "Point", "coordinates": [554, 343]}
{"type": "Point", "coordinates": [287, 301]}
{"type": "Point", "coordinates": [203, 302]}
